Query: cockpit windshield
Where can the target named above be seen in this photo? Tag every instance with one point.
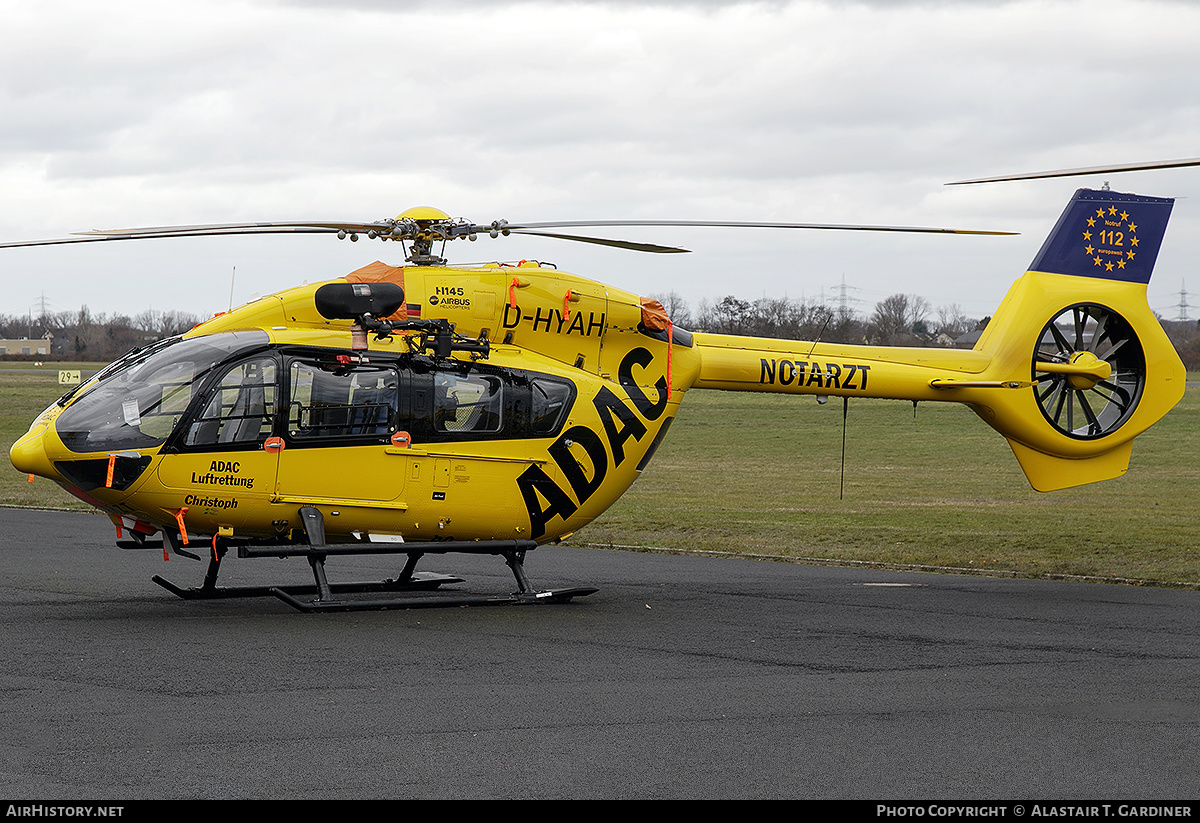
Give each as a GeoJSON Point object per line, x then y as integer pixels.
{"type": "Point", "coordinates": [137, 404]}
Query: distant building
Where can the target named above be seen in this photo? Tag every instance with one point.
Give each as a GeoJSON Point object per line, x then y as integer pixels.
{"type": "Point", "coordinates": [25, 346]}
{"type": "Point", "coordinates": [968, 340]}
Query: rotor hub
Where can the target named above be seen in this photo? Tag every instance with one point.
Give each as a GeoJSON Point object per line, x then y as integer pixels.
{"type": "Point", "coordinates": [1092, 370]}
{"type": "Point", "coordinates": [427, 214]}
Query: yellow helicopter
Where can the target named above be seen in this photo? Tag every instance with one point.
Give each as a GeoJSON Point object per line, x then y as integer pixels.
{"type": "Point", "coordinates": [432, 408]}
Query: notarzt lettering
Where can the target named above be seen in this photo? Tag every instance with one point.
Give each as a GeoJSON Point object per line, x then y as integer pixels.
{"type": "Point", "coordinates": [803, 373]}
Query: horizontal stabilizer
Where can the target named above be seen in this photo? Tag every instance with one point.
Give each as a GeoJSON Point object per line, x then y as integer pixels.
{"type": "Point", "coordinates": [1047, 473]}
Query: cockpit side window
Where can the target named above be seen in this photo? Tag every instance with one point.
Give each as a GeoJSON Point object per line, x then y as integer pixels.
{"type": "Point", "coordinates": [138, 401]}
{"type": "Point", "coordinates": [241, 408]}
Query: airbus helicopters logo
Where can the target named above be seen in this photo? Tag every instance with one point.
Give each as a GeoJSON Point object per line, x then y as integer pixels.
{"type": "Point", "coordinates": [544, 498]}
{"type": "Point", "coordinates": [450, 297]}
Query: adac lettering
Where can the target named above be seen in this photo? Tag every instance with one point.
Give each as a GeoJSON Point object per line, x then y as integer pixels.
{"type": "Point", "coordinates": [230, 468]}
{"type": "Point", "coordinates": [641, 357]}
{"type": "Point", "coordinates": [544, 498]}
{"type": "Point", "coordinates": [803, 373]}
{"type": "Point", "coordinates": [552, 320]}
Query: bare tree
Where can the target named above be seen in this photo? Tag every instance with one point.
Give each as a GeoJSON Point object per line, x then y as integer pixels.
{"type": "Point", "coordinates": [731, 315]}
{"type": "Point", "coordinates": [677, 308]}
{"type": "Point", "coordinates": [953, 321]}
{"type": "Point", "coordinates": [895, 317]}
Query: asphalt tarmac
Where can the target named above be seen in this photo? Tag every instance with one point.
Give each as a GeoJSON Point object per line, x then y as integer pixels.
{"type": "Point", "coordinates": [683, 677]}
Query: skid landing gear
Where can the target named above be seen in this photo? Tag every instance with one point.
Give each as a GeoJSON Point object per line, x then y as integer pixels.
{"type": "Point", "coordinates": [408, 581]}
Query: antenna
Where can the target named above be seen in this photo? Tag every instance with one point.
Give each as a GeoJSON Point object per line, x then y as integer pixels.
{"type": "Point", "coordinates": [845, 414]}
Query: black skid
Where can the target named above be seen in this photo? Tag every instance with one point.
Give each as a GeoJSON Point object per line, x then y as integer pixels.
{"type": "Point", "coordinates": [408, 581]}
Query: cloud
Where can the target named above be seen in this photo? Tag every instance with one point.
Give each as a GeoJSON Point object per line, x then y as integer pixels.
{"type": "Point", "coordinates": [153, 113]}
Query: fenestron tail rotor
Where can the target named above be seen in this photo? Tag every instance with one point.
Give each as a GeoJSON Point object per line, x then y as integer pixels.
{"type": "Point", "coordinates": [1089, 371]}
{"type": "Point", "coordinates": [422, 227]}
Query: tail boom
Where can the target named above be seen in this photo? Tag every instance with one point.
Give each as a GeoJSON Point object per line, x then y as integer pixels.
{"type": "Point", "coordinates": [1071, 368]}
{"type": "Point", "coordinates": [799, 367]}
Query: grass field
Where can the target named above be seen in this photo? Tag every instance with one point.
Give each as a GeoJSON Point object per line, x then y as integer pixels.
{"type": "Point", "coordinates": [761, 474]}
{"type": "Point", "coordinates": [26, 389]}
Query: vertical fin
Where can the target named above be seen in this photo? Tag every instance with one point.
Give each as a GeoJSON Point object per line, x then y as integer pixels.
{"type": "Point", "coordinates": [1106, 234]}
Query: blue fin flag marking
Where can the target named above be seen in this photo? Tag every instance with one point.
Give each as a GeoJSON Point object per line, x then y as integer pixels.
{"type": "Point", "coordinates": [1106, 234]}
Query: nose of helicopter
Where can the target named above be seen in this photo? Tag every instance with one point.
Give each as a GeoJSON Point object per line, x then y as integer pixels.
{"type": "Point", "coordinates": [28, 455]}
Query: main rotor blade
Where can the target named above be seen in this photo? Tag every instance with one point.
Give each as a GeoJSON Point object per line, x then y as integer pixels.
{"type": "Point", "coordinates": [384, 228]}
{"type": "Point", "coordinates": [599, 241]}
{"type": "Point", "coordinates": [212, 230]}
{"type": "Point", "coordinates": [1037, 175]}
{"type": "Point", "coordinates": [740, 225]}
{"type": "Point", "coordinates": [233, 228]}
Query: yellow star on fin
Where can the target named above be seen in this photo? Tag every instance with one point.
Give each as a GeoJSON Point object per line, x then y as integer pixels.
{"type": "Point", "coordinates": [1108, 266]}
{"type": "Point", "coordinates": [1112, 211]}
{"type": "Point", "coordinates": [1124, 215]}
{"type": "Point", "coordinates": [1133, 241]}
{"type": "Point", "coordinates": [1089, 250]}
{"type": "Point", "coordinates": [1131, 254]}
{"type": "Point", "coordinates": [1087, 235]}
{"type": "Point", "coordinates": [1096, 260]}
{"type": "Point", "coordinates": [1091, 221]}
{"type": "Point", "coordinates": [1100, 212]}
{"type": "Point", "coordinates": [1133, 227]}
{"type": "Point", "coordinates": [1120, 264]}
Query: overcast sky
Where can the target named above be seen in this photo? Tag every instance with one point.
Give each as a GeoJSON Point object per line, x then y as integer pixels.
{"type": "Point", "coordinates": [151, 113]}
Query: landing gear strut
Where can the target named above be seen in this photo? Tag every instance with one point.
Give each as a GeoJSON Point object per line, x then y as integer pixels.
{"type": "Point", "coordinates": [315, 550]}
